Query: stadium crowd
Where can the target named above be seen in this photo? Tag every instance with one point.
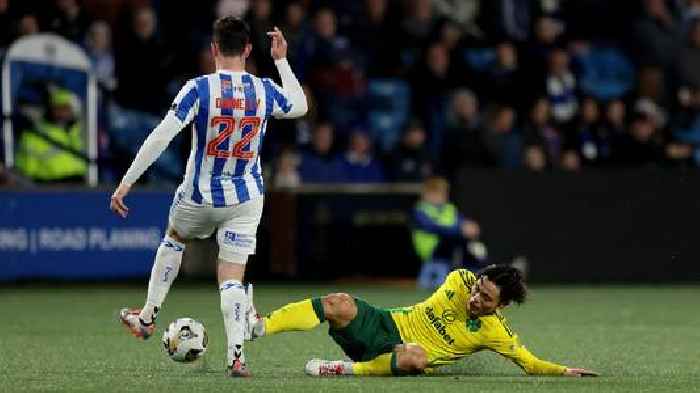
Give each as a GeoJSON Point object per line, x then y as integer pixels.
{"type": "Point", "coordinates": [401, 89]}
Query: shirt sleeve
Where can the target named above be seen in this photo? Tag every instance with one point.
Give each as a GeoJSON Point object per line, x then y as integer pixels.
{"type": "Point", "coordinates": [180, 114]}
{"type": "Point", "coordinates": [289, 101]}
{"type": "Point", "coordinates": [506, 343]}
{"type": "Point", "coordinates": [425, 223]}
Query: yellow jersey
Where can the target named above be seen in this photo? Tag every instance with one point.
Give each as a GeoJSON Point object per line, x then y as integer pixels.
{"type": "Point", "coordinates": [442, 327]}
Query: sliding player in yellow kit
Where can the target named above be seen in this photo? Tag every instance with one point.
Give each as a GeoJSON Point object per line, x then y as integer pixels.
{"type": "Point", "coordinates": [460, 318]}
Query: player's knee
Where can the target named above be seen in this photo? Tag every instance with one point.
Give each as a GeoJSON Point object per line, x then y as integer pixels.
{"type": "Point", "coordinates": [339, 307]}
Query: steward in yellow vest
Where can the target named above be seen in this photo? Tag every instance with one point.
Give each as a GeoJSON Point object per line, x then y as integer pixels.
{"type": "Point", "coordinates": [46, 153]}
{"type": "Point", "coordinates": [439, 231]}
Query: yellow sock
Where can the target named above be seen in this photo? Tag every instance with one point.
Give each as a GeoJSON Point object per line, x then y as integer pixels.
{"type": "Point", "coordinates": [381, 365]}
{"type": "Point", "coordinates": [303, 315]}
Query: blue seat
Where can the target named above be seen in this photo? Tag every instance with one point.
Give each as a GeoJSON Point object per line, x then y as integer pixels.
{"type": "Point", "coordinates": [388, 103]}
{"type": "Point", "coordinates": [606, 73]}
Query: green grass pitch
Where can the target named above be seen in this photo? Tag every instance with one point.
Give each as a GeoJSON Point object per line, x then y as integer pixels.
{"type": "Point", "coordinates": [641, 339]}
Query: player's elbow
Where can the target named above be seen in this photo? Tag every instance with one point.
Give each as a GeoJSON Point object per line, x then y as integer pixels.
{"type": "Point", "coordinates": [301, 108]}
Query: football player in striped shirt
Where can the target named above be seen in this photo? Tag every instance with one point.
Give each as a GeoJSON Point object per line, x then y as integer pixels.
{"type": "Point", "coordinates": [222, 191]}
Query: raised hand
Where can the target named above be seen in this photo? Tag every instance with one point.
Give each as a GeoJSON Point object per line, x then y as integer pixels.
{"type": "Point", "coordinates": [278, 48]}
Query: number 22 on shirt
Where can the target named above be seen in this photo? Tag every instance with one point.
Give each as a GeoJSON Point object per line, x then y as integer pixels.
{"type": "Point", "coordinates": [239, 148]}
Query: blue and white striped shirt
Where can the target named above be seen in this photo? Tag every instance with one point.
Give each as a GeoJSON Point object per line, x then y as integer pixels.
{"type": "Point", "coordinates": [229, 113]}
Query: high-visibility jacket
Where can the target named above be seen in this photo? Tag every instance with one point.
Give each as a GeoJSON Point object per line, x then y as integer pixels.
{"type": "Point", "coordinates": [445, 217]}
{"type": "Point", "coordinates": [41, 160]}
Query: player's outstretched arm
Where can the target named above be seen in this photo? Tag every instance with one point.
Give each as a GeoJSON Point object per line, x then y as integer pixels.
{"type": "Point", "coordinates": [291, 88]}
{"type": "Point", "coordinates": [151, 149]}
{"type": "Point", "coordinates": [506, 343]}
{"type": "Point", "coordinates": [181, 112]}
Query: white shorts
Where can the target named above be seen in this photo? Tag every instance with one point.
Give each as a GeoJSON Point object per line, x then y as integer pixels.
{"type": "Point", "coordinates": [236, 226]}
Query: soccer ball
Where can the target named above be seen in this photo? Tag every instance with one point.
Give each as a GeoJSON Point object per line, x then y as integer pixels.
{"type": "Point", "coordinates": [185, 340]}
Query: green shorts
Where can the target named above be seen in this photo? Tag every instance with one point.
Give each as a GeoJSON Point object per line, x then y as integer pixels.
{"type": "Point", "coordinates": [372, 333]}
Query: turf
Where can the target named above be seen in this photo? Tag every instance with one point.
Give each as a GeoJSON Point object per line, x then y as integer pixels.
{"type": "Point", "coordinates": [67, 339]}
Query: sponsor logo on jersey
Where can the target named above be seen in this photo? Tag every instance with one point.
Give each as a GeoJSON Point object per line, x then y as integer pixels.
{"type": "Point", "coordinates": [448, 316]}
{"type": "Point", "coordinates": [439, 324]}
{"type": "Point", "coordinates": [474, 325]}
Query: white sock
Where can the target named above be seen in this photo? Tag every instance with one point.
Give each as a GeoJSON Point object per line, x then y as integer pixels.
{"type": "Point", "coordinates": [234, 303]}
{"type": "Point", "coordinates": [165, 269]}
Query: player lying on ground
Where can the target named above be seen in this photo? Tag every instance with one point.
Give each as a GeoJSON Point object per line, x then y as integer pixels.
{"type": "Point", "coordinates": [222, 191]}
{"type": "Point", "coordinates": [460, 318]}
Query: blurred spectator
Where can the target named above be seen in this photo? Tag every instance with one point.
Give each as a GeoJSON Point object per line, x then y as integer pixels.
{"type": "Point", "coordinates": [53, 151]}
{"type": "Point", "coordinates": [462, 12]}
{"type": "Point", "coordinates": [542, 141]}
{"type": "Point", "coordinates": [640, 146]}
{"type": "Point", "coordinates": [380, 57]}
{"type": "Point", "coordinates": [501, 138]}
{"type": "Point", "coordinates": [589, 139]}
{"type": "Point", "coordinates": [99, 47]}
{"type": "Point", "coordinates": [685, 137]}
{"type": "Point", "coordinates": [318, 164]}
{"type": "Point", "coordinates": [560, 85]}
{"type": "Point", "coordinates": [7, 21]}
{"type": "Point", "coordinates": [657, 34]}
{"type": "Point", "coordinates": [71, 21]}
{"type": "Point", "coordinates": [358, 164]}
{"type": "Point", "coordinates": [410, 161]}
{"type": "Point", "coordinates": [547, 33]}
{"type": "Point", "coordinates": [441, 235]}
{"type": "Point", "coordinates": [28, 25]}
{"type": "Point", "coordinates": [509, 19]}
{"type": "Point", "coordinates": [260, 22]}
{"type": "Point", "coordinates": [615, 118]}
{"type": "Point", "coordinates": [463, 136]}
{"type": "Point", "coordinates": [321, 49]}
{"type": "Point", "coordinates": [652, 85]}
{"type": "Point", "coordinates": [431, 84]}
{"type": "Point", "coordinates": [294, 28]}
{"type": "Point", "coordinates": [286, 173]}
{"type": "Point", "coordinates": [236, 8]}
{"type": "Point", "coordinates": [689, 60]}
{"type": "Point", "coordinates": [503, 82]}
{"type": "Point", "coordinates": [143, 64]}
{"type": "Point", "coordinates": [418, 24]}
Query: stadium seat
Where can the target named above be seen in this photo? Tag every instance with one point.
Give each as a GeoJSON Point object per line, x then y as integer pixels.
{"type": "Point", "coordinates": [606, 73]}
{"type": "Point", "coordinates": [388, 101]}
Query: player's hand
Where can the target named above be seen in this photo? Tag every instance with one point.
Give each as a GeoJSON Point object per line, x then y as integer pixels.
{"type": "Point", "coordinates": [470, 230]}
{"type": "Point", "coordinates": [580, 372]}
{"type": "Point", "coordinates": [278, 48]}
{"type": "Point", "coordinates": [117, 201]}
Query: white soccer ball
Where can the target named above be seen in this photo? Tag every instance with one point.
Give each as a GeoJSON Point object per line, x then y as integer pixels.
{"type": "Point", "coordinates": [185, 340]}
